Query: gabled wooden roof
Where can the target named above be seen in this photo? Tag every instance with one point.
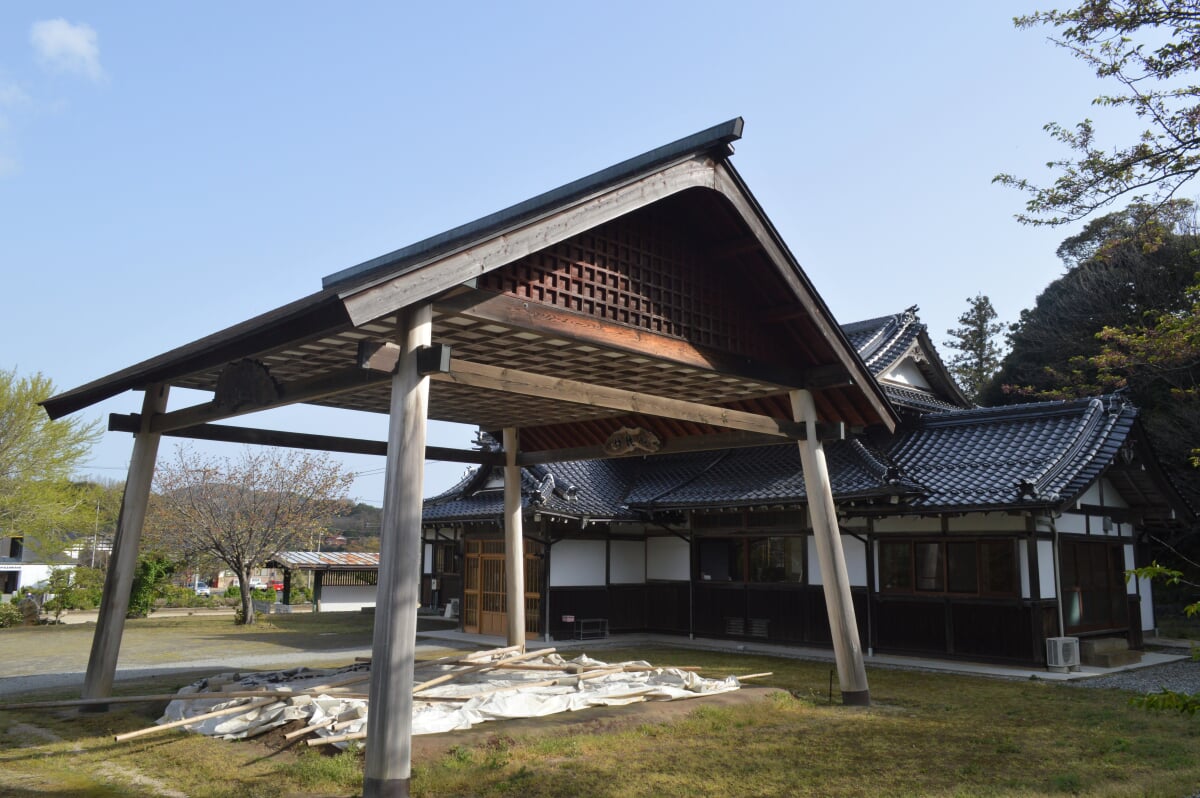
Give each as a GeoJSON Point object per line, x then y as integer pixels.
{"type": "Point", "coordinates": [659, 278]}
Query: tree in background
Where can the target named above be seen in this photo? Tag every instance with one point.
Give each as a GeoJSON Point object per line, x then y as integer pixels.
{"type": "Point", "coordinates": [37, 456]}
{"type": "Point", "coordinates": [1123, 317]}
{"type": "Point", "coordinates": [1122, 269]}
{"type": "Point", "coordinates": [242, 511]}
{"type": "Point", "coordinates": [1150, 49]}
{"type": "Point", "coordinates": [978, 357]}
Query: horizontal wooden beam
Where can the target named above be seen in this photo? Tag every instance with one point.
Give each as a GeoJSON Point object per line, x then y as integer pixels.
{"type": "Point", "coordinates": [524, 383]}
{"type": "Point", "coordinates": [299, 440]}
{"type": "Point", "coordinates": [307, 390]}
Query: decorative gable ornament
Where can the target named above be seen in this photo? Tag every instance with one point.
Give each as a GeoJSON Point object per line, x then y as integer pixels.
{"type": "Point", "coordinates": [632, 439]}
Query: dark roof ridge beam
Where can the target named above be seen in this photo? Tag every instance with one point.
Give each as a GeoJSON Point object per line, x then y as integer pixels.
{"type": "Point", "coordinates": [414, 280]}
{"type": "Point", "coordinates": [714, 142]}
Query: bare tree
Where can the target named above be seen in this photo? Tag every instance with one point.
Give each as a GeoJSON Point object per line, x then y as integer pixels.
{"type": "Point", "coordinates": [243, 511]}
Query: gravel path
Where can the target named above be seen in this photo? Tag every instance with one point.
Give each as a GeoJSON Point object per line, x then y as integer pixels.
{"type": "Point", "coordinates": [1181, 677]}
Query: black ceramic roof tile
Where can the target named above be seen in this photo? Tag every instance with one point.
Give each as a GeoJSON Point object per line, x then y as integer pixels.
{"type": "Point", "coordinates": [769, 474]}
{"type": "Point", "coordinates": [586, 488]}
{"type": "Point", "coordinates": [917, 399]}
{"type": "Point", "coordinates": [879, 342]}
{"type": "Point", "coordinates": [977, 458]}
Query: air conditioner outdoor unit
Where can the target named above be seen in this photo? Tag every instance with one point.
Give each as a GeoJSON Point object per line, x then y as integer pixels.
{"type": "Point", "coordinates": [1062, 654]}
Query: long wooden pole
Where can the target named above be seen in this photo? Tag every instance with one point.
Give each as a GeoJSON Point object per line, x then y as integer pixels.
{"type": "Point", "coordinates": [388, 766]}
{"type": "Point", "coordinates": [514, 540]}
{"type": "Point", "coordinates": [114, 601]}
{"type": "Point", "coordinates": [847, 651]}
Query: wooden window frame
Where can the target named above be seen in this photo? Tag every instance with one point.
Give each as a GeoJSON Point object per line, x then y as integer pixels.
{"type": "Point", "coordinates": [943, 544]}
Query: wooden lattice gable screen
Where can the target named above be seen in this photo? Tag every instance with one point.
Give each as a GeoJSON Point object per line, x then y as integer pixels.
{"type": "Point", "coordinates": [644, 271]}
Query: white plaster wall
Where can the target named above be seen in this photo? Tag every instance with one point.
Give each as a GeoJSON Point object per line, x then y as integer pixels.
{"type": "Point", "coordinates": [668, 558]}
{"type": "Point", "coordinates": [428, 564]}
{"type": "Point", "coordinates": [856, 560]}
{"type": "Point", "coordinates": [906, 373]}
{"type": "Point", "coordinates": [627, 562]}
{"type": "Point", "coordinates": [1045, 549]}
{"type": "Point", "coordinates": [33, 575]}
{"type": "Point", "coordinates": [347, 599]}
{"type": "Point", "coordinates": [1071, 524]}
{"type": "Point", "coordinates": [1091, 495]}
{"type": "Point", "coordinates": [577, 563]}
{"type": "Point", "coordinates": [1023, 559]}
{"type": "Point", "coordinates": [1145, 590]}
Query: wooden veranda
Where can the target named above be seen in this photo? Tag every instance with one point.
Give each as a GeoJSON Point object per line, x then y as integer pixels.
{"type": "Point", "coordinates": [648, 308]}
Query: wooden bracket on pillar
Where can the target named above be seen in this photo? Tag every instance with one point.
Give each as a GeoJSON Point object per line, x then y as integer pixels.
{"type": "Point", "coordinates": [385, 356]}
{"type": "Point", "coordinates": [826, 430]}
{"type": "Point", "coordinates": [433, 359]}
{"type": "Point", "coordinates": [378, 356]}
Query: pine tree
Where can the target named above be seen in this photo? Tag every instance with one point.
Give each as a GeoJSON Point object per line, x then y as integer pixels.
{"type": "Point", "coordinates": [978, 357]}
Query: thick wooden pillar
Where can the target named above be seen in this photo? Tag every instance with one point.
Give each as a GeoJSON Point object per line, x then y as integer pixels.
{"type": "Point", "coordinates": [388, 766]}
{"type": "Point", "coordinates": [514, 540]}
{"type": "Point", "coordinates": [852, 673]}
{"type": "Point", "coordinates": [114, 601]}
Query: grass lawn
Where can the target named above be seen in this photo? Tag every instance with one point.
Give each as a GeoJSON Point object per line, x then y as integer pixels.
{"type": "Point", "coordinates": [925, 735]}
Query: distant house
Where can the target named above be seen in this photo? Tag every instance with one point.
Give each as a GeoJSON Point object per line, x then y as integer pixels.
{"type": "Point", "coordinates": [972, 533]}
{"type": "Point", "coordinates": [341, 581]}
{"type": "Point", "coordinates": [21, 569]}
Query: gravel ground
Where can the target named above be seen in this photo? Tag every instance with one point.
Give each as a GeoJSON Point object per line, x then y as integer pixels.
{"type": "Point", "coordinates": [1181, 677]}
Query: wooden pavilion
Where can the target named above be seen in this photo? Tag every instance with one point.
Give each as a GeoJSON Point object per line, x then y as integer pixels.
{"type": "Point", "coordinates": [648, 308]}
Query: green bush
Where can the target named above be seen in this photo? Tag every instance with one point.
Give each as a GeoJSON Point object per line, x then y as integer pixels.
{"type": "Point", "coordinates": [10, 615]}
{"type": "Point", "coordinates": [263, 594]}
{"type": "Point", "coordinates": [148, 583]}
{"type": "Point", "coordinates": [233, 592]}
{"type": "Point", "coordinates": [177, 596]}
{"type": "Point", "coordinates": [300, 594]}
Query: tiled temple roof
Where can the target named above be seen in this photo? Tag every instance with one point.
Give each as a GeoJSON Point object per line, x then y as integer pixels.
{"type": "Point", "coordinates": [1040, 454]}
{"type": "Point", "coordinates": [943, 458]}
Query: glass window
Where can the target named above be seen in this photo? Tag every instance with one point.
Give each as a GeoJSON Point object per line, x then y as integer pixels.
{"type": "Point", "coordinates": [998, 567]}
{"type": "Point", "coordinates": [895, 566]}
{"type": "Point", "coordinates": [962, 570]}
{"type": "Point", "coordinates": [776, 559]}
{"type": "Point", "coordinates": [927, 558]}
{"type": "Point", "coordinates": [720, 560]}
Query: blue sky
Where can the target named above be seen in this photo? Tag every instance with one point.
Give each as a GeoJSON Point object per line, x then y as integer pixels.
{"type": "Point", "coordinates": [167, 170]}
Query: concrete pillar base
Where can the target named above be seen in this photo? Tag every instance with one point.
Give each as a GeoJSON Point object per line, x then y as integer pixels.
{"type": "Point", "coordinates": [385, 788]}
{"type": "Point", "coordinates": [857, 698]}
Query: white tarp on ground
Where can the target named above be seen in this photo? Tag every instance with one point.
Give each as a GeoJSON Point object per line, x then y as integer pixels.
{"type": "Point", "coordinates": [551, 685]}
